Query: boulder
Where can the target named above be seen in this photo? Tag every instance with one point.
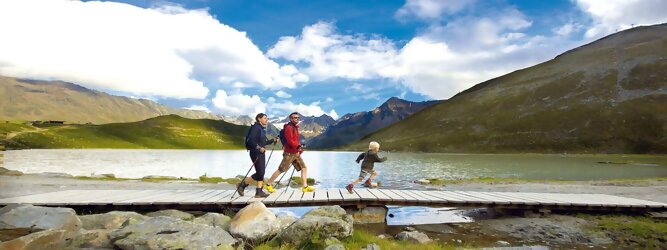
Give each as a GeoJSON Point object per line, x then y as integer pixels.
{"type": "Point", "coordinates": [34, 217]}
{"type": "Point", "coordinates": [285, 220]}
{"type": "Point", "coordinates": [172, 213]}
{"type": "Point", "coordinates": [97, 238]}
{"type": "Point", "coordinates": [254, 222]}
{"type": "Point", "coordinates": [414, 236]}
{"type": "Point", "coordinates": [327, 221]}
{"type": "Point", "coordinates": [214, 220]}
{"type": "Point", "coordinates": [47, 239]}
{"type": "Point", "coordinates": [170, 233]}
{"type": "Point", "coordinates": [369, 215]}
{"type": "Point", "coordinates": [335, 247]}
{"type": "Point", "coordinates": [110, 220]}
{"type": "Point", "coordinates": [371, 246]}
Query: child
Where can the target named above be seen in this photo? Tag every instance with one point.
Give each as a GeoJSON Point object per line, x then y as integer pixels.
{"type": "Point", "coordinates": [370, 158]}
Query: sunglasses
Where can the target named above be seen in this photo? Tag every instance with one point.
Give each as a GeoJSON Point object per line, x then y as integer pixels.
{"type": "Point", "coordinates": [295, 117]}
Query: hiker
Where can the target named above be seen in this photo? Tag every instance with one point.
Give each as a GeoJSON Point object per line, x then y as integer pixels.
{"type": "Point", "coordinates": [291, 155]}
{"type": "Point", "coordinates": [370, 157]}
{"type": "Point", "coordinates": [256, 142]}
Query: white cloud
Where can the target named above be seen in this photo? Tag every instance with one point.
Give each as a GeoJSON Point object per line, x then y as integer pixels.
{"type": "Point", "coordinates": [283, 94]}
{"type": "Point", "coordinates": [165, 51]}
{"type": "Point", "coordinates": [329, 99]}
{"type": "Point", "coordinates": [238, 104]}
{"type": "Point", "coordinates": [567, 29]}
{"type": "Point", "coordinates": [610, 16]}
{"type": "Point", "coordinates": [199, 108]}
{"type": "Point", "coordinates": [308, 110]}
{"type": "Point", "coordinates": [431, 9]}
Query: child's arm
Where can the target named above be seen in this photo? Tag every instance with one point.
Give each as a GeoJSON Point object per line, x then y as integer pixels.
{"type": "Point", "coordinates": [378, 159]}
{"type": "Point", "coordinates": [360, 157]}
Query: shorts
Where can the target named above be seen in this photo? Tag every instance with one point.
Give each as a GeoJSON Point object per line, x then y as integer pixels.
{"type": "Point", "coordinates": [364, 172]}
{"type": "Point", "coordinates": [293, 159]}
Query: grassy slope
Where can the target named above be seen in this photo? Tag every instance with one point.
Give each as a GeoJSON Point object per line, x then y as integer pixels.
{"type": "Point", "coordinates": [164, 132]}
{"type": "Point", "coordinates": [606, 97]}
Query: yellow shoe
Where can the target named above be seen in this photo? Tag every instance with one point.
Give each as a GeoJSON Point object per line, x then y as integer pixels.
{"type": "Point", "coordinates": [269, 188]}
{"type": "Point", "coordinates": [308, 189]}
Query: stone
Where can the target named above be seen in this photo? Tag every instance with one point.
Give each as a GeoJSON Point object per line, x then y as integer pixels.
{"type": "Point", "coordinates": [327, 221]}
{"type": "Point", "coordinates": [414, 236]}
{"type": "Point", "coordinates": [254, 223]}
{"type": "Point", "coordinates": [369, 215]}
{"type": "Point", "coordinates": [502, 243]}
{"type": "Point", "coordinates": [47, 239]}
{"type": "Point", "coordinates": [331, 241]}
{"type": "Point", "coordinates": [55, 174]}
{"type": "Point", "coordinates": [335, 247]}
{"type": "Point", "coordinates": [97, 238]}
{"type": "Point", "coordinates": [214, 220]}
{"type": "Point", "coordinates": [284, 221]}
{"type": "Point", "coordinates": [4, 171]}
{"type": "Point", "coordinates": [110, 220]}
{"type": "Point", "coordinates": [409, 229]}
{"type": "Point", "coordinates": [103, 176]}
{"type": "Point", "coordinates": [371, 246]}
{"type": "Point", "coordinates": [385, 236]}
{"type": "Point", "coordinates": [172, 213]}
{"type": "Point", "coordinates": [170, 233]}
{"type": "Point", "coordinates": [35, 217]}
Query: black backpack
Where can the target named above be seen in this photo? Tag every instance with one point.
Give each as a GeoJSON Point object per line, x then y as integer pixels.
{"type": "Point", "coordinates": [248, 142]}
{"type": "Point", "coordinates": [281, 135]}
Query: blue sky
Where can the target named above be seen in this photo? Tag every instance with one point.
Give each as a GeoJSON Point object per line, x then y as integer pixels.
{"type": "Point", "coordinates": [315, 57]}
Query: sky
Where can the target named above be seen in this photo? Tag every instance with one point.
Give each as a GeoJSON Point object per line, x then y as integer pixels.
{"type": "Point", "coordinates": [234, 57]}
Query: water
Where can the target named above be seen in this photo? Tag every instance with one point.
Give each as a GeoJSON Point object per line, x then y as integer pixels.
{"type": "Point", "coordinates": [335, 169]}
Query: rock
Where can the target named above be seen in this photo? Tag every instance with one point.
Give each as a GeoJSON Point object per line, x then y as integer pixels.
{"type": "Point", "coordinates": [47, 239]}
{"type": "Point", "coordinates": [423, 181]}
{"type": "Point", "coordinates": [254, 223]}
{"type": "Point", "coordinates": [110, 220]}
{"type": "Point", "coordinates": [103, 176]}
{"type": "Point", "coordinates": [214, 220]}
{"type": "Point", "coordinates": [55, 174]}
{"type": "Point", "coordinates": [97, 238]}
{"type": "Point", "coordinates": [172, 213]}
{"type": "Point", "coordinates": [170, 233]}
{"type": "Point", "coordinates": [385, 236]}
{"type": "Point", "coordinates": [285, 221]}
{"type": "Point", "coordinates": [335, 247]}
{"type": "Point", "coordinates": [331, 241]}
{"type": "Point", "coordinates": [502, 243]}
{"type": "Point", "coordinates": [369, 215]}
{"type": "Point", "coordinates": [28, 216]}
{"type": "Point", "coordinates": [4, 171]}
{"type": "Point", "coordinates": [371, 246]}
{"type": "Point", "coordinates": [328, 221]}
{"type": "Point", "coordinates": [409, 229]}
{"type": "Point", "coordinates": [414, 236]}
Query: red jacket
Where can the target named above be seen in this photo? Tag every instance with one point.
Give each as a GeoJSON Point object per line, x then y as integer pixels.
{"type": "Point", "coordinates": [292, 138]}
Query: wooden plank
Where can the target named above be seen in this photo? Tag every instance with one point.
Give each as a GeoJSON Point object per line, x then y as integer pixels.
{"type": "Point", "coordinates": [147, 200]}
{"type": "Point", "coordinates": [475, 198]}
{"type": "Point", "coordinates": [513, 199]}
{"type": "Point", "coordinates": [573, 199]}
{"type": "Point", "coordinates": [284, 197]}
{"type": "Point", "coordinates": [272, 197]}
{"type": "Point", "coordinates": [452, 196]}
{"type": "Point", "coordinates": [393, 195]}
{"type": "Point", "coordinates": [308, 197]}
{"type": "Point", "coordinates": [381, 196]}
{"type": "Point", "coordinates": [174, 199]}
{"type": "Point", "coordinates": [222, 198]}
{"type": "Point", "coordinates": [194, 196]}
{"type": "Point", "coordinates": [85, 197]}
{"type": "Point", "coordinates": [364, 195]}
{"type": "Point", "coordinates": [321, 195]}
{"type": "Point", "coordinates": [632, 201]}
{"type": "Point", "coordinates": [129, 194]}
{"type": "Point", "coordinates": [495, 200]}
{"type": "Point", "coordinates": [334, 194]}
{"type": "Point", "coordinates": [296, 196]}
{"type": "Point", "coordinates": [541, 200]}
{"type": "Point", "coordinates": [34, 198]}
{"type": "Point", "coordinates": [201, 197]}
{"type": "Point", "coordinates": [349, 197]}
{"type": "Point", "coordinates": [422, 196]}
{"type": "Point", "coordinates": [445, 195]}
{"type": "Point", "coordinates": [237, 200]}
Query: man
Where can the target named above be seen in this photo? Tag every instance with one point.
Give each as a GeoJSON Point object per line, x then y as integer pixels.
{"type": "Point", "coordinates": [291, 155]}
{"type": "Point", "coordinates": [257, 141]}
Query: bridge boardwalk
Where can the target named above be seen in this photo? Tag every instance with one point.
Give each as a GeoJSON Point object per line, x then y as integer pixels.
{"type": "Point", "coordinates": [209, 199]}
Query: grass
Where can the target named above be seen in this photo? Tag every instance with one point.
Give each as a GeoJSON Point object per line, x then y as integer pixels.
{"type": "Point", "coordinates": [216, 180]}
{"type": "Point", "coordinates": [164, 132]}
{"type": "Point", "coordinates": [309, 181]}
{"type": "Point", "coordinates": [358, 240]}
{"type": "Point", "coordinates": [631, 232]}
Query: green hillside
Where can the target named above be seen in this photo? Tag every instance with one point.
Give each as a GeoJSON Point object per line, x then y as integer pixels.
{"type": "Point", "coordinates": [609, 96]}
{"type": "Point", "coordinates": [163, 132]}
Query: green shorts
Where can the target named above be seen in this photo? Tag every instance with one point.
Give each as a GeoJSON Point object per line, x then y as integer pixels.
{"type": "Point", "coordinates": [364, 172]}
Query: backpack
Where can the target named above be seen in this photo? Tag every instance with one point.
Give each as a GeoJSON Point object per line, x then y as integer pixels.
{"type": "Point", "coordinates": [248, 142]}
{"type": "Point", "coordinates": [281, 135]}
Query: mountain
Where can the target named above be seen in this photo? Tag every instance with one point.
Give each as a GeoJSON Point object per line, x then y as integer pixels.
{"type": "Point", "coordinates": [310, 126]}
{"type": "Point", "coordinates": [239, 120]}
{"type": "Point", "coordinates": [56, 100]}
{"type": "Point", "coordinates": [163, 132]}
{"type": "Point", "coordinates": [609, 96]}
{"type": "Point", "coordinates": [352, 127]}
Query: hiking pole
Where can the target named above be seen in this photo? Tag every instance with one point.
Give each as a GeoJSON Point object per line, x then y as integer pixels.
{"type": "Point", "coordinates": [245, 176]}
{"type": "Point", "coordinates": [290, 179]}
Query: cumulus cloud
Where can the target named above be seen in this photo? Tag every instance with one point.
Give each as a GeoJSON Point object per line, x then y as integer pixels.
{"type": "Point", "coordinates": [307, 110]}
{"type": "Point", "coordinates": [283, 94]}
{"type": "Point", "coordinates": [199, 108]}
{"type": "Point", "coordinates": [238, 104]}
{"type": "Point", "coordinates": [165, 51]}
{"type": "Point", "coordinates": [614, 15]}
{"type": "Point", "coordinates": [431, 9]}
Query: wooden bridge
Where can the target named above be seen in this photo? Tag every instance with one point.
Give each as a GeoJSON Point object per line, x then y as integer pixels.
{"type": "Point", "coordinates": [214, 200]}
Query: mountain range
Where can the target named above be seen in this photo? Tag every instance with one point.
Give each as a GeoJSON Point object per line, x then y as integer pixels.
{"type": "Point", "coordinates": [608, 96]}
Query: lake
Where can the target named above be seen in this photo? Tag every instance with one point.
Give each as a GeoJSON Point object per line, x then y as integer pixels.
{"type": "Point", "coordinates": [335, 169]}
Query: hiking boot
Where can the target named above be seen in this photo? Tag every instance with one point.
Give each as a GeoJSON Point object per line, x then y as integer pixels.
{"type": "Point", "coordinates": [308, 189]}
{"type": "Point", "coordinates": [240, 188]}
{"type": "Point", "coordinates": [260, 193]}
{"type": "Point", "coordinates": [269, 188]}
{"type": "Point", "coordinates": [349, 188]}
{"type": "Point", "coordinates": [367, 183]}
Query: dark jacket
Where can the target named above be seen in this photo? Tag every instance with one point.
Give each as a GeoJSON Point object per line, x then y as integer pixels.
{"type": "Point", "coordinates": [291, 138]}
{"type": "Point", "coordinates": [258, 136]}
{"type": "Point", "coordinates": [370, 158]}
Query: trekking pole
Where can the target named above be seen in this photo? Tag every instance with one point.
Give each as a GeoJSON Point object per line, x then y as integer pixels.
{"type": "Point", "coordinates": [290, 179]}
{"type": "Point", "coordinates": [245, 176]}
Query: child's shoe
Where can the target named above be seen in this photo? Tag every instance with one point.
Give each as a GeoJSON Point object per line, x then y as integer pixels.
{"type": "Point", "coordinates": [349, 188]}
{"type": "Point", "coordinates": [367, 183]}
